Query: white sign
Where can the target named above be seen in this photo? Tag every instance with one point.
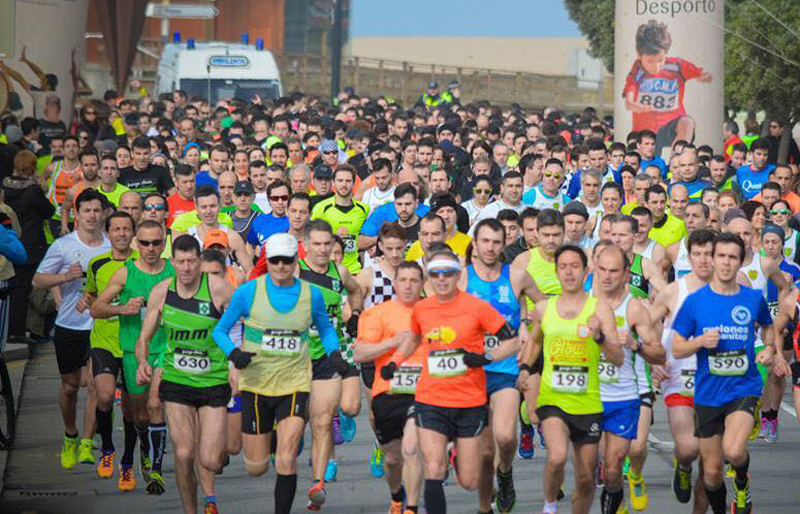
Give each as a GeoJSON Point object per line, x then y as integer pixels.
{"type": "Point", "coordinates": [228, 61]}
{"type": "Point", "coordinates": [188, 11]}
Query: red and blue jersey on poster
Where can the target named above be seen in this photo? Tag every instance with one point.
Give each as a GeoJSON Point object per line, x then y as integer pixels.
{"type": "Point", "coordinates": [663, 92]}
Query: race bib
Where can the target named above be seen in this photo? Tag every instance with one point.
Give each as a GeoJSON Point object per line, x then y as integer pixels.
{"type": "Point", "coordinates": [281, 343]}
{"type": "Point", "coordinates": [773, 309]}
{"type": "Point", "coordinates": [405, 380]}
{"type": "Point", "coordinates": [608, 372]}
{"type": "Point", "coordinates": [490, 342]}
{"type": "Point", "coordinates": [659, 93]}
{"type": "Point", "coordinates": [569, 379]}
{"type": "Point", "coordinates": [446, 363]}
{"type": "Point", "coordinates": [687, 382]}
{"type": "Point", "coordinates": [349, 244]}
{"type": "Point", "coordinates": [191, 361]}
{"type": "Point", "coordinates": [731, 363]}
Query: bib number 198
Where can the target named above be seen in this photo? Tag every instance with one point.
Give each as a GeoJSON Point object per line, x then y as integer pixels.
{"type": "Point", "coordinates": [569, 379]}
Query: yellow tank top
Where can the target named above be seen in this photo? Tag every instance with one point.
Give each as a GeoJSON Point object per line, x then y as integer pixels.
{"type": "Point", "coordinates": [569, 377]}
{"type": "Point", "coordinates": [281, 365]}
{"type": "Point", "coordinates": [543, 274]}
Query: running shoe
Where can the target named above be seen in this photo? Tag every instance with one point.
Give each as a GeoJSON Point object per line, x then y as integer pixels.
{"type": "Point", "coordinates": [85, 450]}
{"type": "Point", "coordinates": [106, 467]}
{"type": "Point", "coordinates": [623, 509]}
{"type": "Point", "coordinates": [347, 426]}
{"type": "Point", "coordinates": [127, 482]}
{"type": "Point", "coordinates": [69, 452]}
{"type": "Point", "coordinates": [337, 431]}
{"type": "Point", "coordinates": [762, 433]}
{"type": "Point", "coordinates": [561, 494]}
{"type": "Point", "coordinates": [526, 450]}
{"type": "Point", "coordinates": [156, 485]}
{"type": "Point", "coordinates": [145, 467]}
{"type": "Point", "coordinates": [396, 507]}
{"type": "Point", "coordinates": [210, 507]}
{"type": "Point", "coordinates": [506, 496]}
{"type": "Point", "coordinates": [316, 496]}
{"type": "Point", "coordinates": [376, 462]}
{"type": "Point", "coordinates": [742, 503]}
{"type": "Point", "coordinates": [772, 431]}
{"type": "Point", "coordinates": [331, 470]}
{"type": "Point", "coordinates": [682, 483]}
{"type": "Point", "coordinates": [639, 498]}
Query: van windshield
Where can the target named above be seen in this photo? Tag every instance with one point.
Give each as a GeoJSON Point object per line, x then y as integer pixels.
{"type": "Point", "coordinates": [226, 89]}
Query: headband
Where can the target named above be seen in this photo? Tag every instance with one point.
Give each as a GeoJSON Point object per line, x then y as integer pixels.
{"type": "Point", "coordinates": [443, 263]}
{"type": "Point", "coordinates": [774, 229]}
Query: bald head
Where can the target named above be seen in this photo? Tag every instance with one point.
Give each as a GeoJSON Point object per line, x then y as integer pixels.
{"type": "Point", "coordinates": [408, 176]}
{"type": "Point", "coordinates": [687, 163]}
{"type": "Point", "coordinates": [742, 228]}
{"type": "Point", "coordinates": [678, 199]}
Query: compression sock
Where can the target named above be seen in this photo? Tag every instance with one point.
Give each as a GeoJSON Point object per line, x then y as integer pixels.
{"type": "Point", "coordinates": [208, 499]}
{"type": "Point", "coordinates": [717, 499]}
{"type": "Point", "coordinates": [104, 428]}
{"type": "Point", "coordinates": [435, 502]}
{"type": "Point", "coordinates": [610, 500]}
{"type": "Point", "coordinates": [158, 438]}
{"type": "Point", "coordinates": [144, 439]}
{"type": "Point", "coordinates": [285, 487]}
{"type": "Point", "coordinates": [741, 471]}
{"type": "Point", "coordinates": [130, 442]}
{"type": "Point", "coordinates": [398, 496]}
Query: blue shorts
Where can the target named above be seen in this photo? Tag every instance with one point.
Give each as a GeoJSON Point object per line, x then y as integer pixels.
{"type": "Point", "coordinates": [622, 418]}
{"type": "Point", "coordinates": [235, 404]}
{"type": "Point", "coordinates": [497, 381]}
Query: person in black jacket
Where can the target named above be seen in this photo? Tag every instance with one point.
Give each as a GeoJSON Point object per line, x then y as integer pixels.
{"type": "Point", "coordinates": [24, 194]}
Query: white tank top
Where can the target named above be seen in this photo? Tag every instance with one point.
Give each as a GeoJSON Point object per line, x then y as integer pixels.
{"type": "Point", "coordinates": [619, 383]}
{"type": "Point", "coordinates": [681, 265]}
{"type": "Point", "coordinates": [790, 246]}
{"type": "Point", "coordinates": [681, 371]}
{"type": "Point", "coordinates": [648, 250]}
{"type": "Point", "coordinates": [754, 273]}
{"type": "Point", "coordinates": [374, 197]}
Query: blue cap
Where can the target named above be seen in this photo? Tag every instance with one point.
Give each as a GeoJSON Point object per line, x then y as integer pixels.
{"type": "Point", "coordinates": [433, 85]}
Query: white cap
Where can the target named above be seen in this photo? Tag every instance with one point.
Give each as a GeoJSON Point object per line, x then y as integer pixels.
{"type": "Point", "coordinates": [281, 245]}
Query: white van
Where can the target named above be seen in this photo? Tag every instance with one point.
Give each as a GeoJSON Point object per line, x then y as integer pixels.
{"type": "Point", "coordinates": [219, 71]}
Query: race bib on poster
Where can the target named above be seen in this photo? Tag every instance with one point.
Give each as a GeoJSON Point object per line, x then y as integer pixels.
{"type": "Point", "coordinates": [446, 363]}
{"type": "Point", "coordinates": [659, 93]}
{"type": "Point", "coordinates": [281, 343]}
{"type": "Point", "coordinates": [191, 361]}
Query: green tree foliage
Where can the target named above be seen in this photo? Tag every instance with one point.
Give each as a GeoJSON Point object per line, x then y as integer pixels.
{"type": "Point", "coordinates": [595, 18]}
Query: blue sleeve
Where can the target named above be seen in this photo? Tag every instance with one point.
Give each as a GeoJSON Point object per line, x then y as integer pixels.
{"type": "Point", "coordinates": [529, 196]}
{"type": "Point", "coordinates": [319, 313]}
{"type": "Point", "coordinates": [373, 223]}
{"type": "Point", "coordinates": [684, 322]}
{"type": "Point", "coordinates": [11, 247]}
{"type": "Point", "coordinates": [574, 185]}
{"type": "Point", "coordinates": [422, 210]}
{"type": "Point", "coordinates": [252, 234]}
{"type": "Point", "coordinates": [618, 176]}
{"type": "Point", "coordinates": [239, 307]}
{"type": "Point", "coordinates": [764, 317]}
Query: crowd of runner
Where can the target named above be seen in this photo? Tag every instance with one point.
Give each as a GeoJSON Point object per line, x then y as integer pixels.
{"type": "Point", "coordinates": [475, 277]}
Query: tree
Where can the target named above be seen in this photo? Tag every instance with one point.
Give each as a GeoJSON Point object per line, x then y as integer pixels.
{"type": "Point", "coordinates": [595, 18]}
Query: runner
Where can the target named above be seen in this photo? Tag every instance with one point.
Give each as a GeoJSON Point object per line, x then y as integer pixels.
{"type": "Point", "coordinates": [494, 282]}
{"type": "Point", "coordinates": [643, 244]}
{"type": "Point", "coordinates": [718, 323]}
{"type": "Point", "coordinates": [645, 276]}
{"type": "Point", "coordinates": [125, 296]}
{"type": "Point", "coordinates": [677, 254]}
{"type": "Point", "coordinates": [107, 354]}
{"type": "Point", "coordinates": [275, 376]}
{"type": "Point", "coordinates": [383, 329]}
{"type": "Point", "coordinates": [619, 389]}
{"type": "Point", "coordinates": [90, 167]}
{"type": "Point", "coordinates": [63, 267]}
{"type": "Point", "coordinates": [330, 386]}
{"type": "Point", "coordinates": [568, 332]}
{"type": "Point", "coordinates": [450, 398]}
{"type": "Point", "coordinates": [194, 381]}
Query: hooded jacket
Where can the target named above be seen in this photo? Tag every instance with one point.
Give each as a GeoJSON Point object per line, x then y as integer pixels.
{"type": "Point", "coordinates": [29, 202]}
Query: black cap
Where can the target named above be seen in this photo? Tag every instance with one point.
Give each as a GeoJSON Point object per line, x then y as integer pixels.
{"type": "Point", "coordinates": [433, 85]}
{"type": "Point", "coordinates": [323, 172]}
{"type": "Point", "coordinates": [576, 207]}
{"type": "Point", "coordinates": [132, 118]}
{"type": "Point", "coordinates": [244, 186]}
{"type": "Point", "coordinates": [440, 200]}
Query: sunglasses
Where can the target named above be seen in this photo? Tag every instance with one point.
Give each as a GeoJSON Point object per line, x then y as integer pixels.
{"type": "Point", "coordinates": [280, 260]}
{"type": "Point", "coordinates": [329, 153]}
{"type": "Point", "coordinates": [151, 242]}
{"type": "Point", "coordinates": [556, 175]}
{"type": "Point", "coordinates": [91, 113]}
{"type": "Point", "coordinates": [482, 191]}
{"type": "Point", "coordinates": [242, 193]}
{"type": "Point", "coordinates": [155, 207]}
{"type": "Point", "coordinates": [439, 273]}
{"type": "Point", "coordinates": [779, 211]}
{"type": "Point", "coordinates": [281, 198]}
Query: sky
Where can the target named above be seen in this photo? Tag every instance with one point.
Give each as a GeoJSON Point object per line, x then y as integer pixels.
{"type": "Point", "coordinates": [461, 18]}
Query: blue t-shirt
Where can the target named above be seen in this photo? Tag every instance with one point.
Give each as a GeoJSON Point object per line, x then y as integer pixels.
{"type": "Point", "coordinates": [574, 189]}
{"type": "Point", "coordinates": [655, 161]}
{"type": "Point", "coordinates": [204, 178]}
{"type": "Point", "coordinates": [695, 188]}
{"type": "Point", "coordinates": [386, 213]}
{"type": "Point", "coordinates": [750, 181]}
{"type": "Point", "coordinates": [264, 225]}
{"type": "Point", "coordinates": [729, 371]}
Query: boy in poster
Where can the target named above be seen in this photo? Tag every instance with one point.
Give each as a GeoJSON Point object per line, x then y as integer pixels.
{"type": "Point", "coordinates": [656, 84]}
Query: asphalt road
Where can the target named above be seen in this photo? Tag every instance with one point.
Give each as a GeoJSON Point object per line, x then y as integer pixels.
{"type": "Point", "coordinates": [35, 482]}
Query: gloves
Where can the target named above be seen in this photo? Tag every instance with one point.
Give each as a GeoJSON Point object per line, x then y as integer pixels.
{"type": "Point", "coordinates": [339, 364]}
{"type": "Point", "coordinates": [387, 372]}
{"type": "Point", "coordinates": [352, 325]}
{"type": "Point", "coordinates": [475, 360]}
{"type": "Point", "coordinates": [240, 359]}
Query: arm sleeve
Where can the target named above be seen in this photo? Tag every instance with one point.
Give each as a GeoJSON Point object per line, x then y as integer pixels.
{"type": "Point", "coordinates": [260, 267]}
{"type": "Point", "coordinates": [91, 278]}
{"type": "Point", "coordinates": [689, 70]}
{"type": "Point", "coordinates": [239, 307]}
{"type": "Point", "coordinates": [684, 323]}
{"type": "Point", "coordinates": [369, 327]}
{"type": "Point", "coordinates": [11, 247]}
{"type": "Point", "coordinates": [166, 182]}
{"type": "Point", "coordinates": [252, 234]}
{"type": "Point", "coordinates": [764, 317]}
{"type": "Point", "coordinates": [630, 81]}
{"type": "Point", "coordinates": [330, 341]}
{"type": "Point", "coordinates": [574, 185]}
{"type": "Point", "coordinates": [372, 225]}
{"type": "Point", "coordinates": [491, 320]}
